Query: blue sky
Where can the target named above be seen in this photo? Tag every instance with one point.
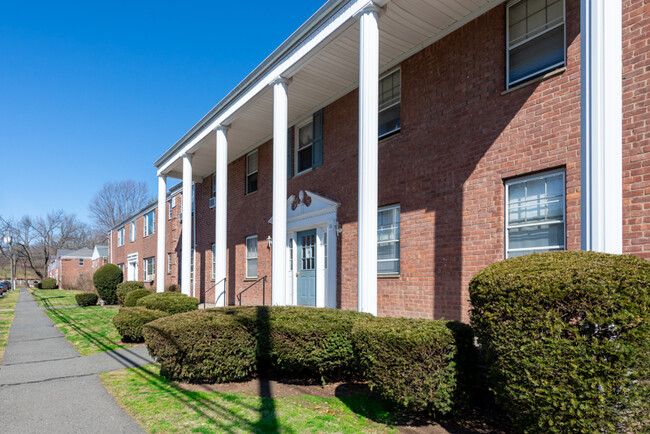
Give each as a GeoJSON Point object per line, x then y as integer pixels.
{"type": "Point", "coordinates": [93, 92]}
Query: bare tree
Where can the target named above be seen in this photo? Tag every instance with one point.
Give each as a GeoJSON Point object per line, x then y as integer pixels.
{"type": "Point", "coordinates": [36, 240]}
{"type": "Point", "coordinates": [116, 201]}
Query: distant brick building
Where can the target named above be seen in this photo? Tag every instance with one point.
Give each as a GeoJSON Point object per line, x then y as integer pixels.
{"type": "Point", "coordinates": [74, 269]}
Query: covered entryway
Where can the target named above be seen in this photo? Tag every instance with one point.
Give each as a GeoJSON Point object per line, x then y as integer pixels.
{"type": "Point", "coordinates": [306, 268]}
{"type": "Point", "coordinates": [132, 267]}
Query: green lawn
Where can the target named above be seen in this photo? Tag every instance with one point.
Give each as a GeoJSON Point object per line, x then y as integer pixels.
{"type": "Point", "coordinates": [6, 318]}
{"type": "Point", "coordinates": [89, 329]}
{"type": "Point", "coordinates": [159, 407]}
{"type": "Point", "coordinates": [9, 300]}
{"type": "Point", "coordinates": [55, 297]}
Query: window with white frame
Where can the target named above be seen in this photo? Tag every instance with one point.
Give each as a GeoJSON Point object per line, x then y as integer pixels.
{"type": "Point", "coordinates": [325, 248]}
{"type": "Point", "coordinates": [388, 239]}
{"type": "Point", "coordinates": [251, 172]}
{"type": "Point", "coordinates": [390, 95]}
{"type": "Point", "coordinates": [149, 268]}
{"type": "Point", "coordinates": [150, 223]}
{"type": "Point", "coordinates": [81, 262]}
{"type": "Point", "coordinates": [169, 263]}
{"type": "Point", "coordinates": [305, 147]}
{"type": "Point", "coordinates": [535, 214]}
{"type": "Point", "coordinates": [535, 38]}
{"type": "Point", "coordinates": [214, 261]}
{"type": "Point", "coordinates": [120, 237]}
{"type": "Point", "coordinates": [132, 231]}
{"type": "Point", "coordinates": [291, 254]}
{"type": "Point", "coordinates": [213, 195]}
{"type": "Point", "coordinates": [251, 256]}
{"type": "Point", "coordinates": [169, 212]}
{"type": "Point", "coordinates": [173, 201]}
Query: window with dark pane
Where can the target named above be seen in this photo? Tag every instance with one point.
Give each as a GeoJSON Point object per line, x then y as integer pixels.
{"type": "Point", "coordinates": [305, 148]}
{"type": "Point", "coordinates": [251, 172]}
{"type": "Point", "coordinates": [390, 93]}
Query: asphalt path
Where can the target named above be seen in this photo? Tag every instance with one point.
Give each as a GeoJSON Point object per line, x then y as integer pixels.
{"type": "Point", "coordinates": [47, 386]}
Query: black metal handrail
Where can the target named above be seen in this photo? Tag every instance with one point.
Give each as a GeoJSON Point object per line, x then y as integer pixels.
{"type": "Point", "coordinates": [261, 279]}
{"type": "Point", "coordinates": [205, 293]}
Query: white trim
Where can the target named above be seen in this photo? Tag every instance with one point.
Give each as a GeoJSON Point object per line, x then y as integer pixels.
{"type": "Point", "coordinates": [296, 144]}
{"type": "Point", "coordinates": [251, 237]}
{"type": "Point", "coordinates": [398, 240]}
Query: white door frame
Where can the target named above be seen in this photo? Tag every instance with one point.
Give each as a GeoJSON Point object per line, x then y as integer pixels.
{"type": "Point", "coordinates": [132, 264]}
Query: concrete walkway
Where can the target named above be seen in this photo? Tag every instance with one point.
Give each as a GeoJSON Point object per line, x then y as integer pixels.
{"type": "Point", "coordinates": [46, 386]}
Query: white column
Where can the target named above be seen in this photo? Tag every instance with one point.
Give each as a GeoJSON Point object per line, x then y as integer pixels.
{"type": "Point", "coordinates": [601, 126]}
{"type": "Point", "coordinates": [278, 260]}
{"type": "Point", "coordinates": [368, 131]}
{"type": "Point", "coordinates": [221, 215]}
{"type": "Point", "coordinates": [187, 225]}
{"type": "Point", "coordinates": [162, 213]}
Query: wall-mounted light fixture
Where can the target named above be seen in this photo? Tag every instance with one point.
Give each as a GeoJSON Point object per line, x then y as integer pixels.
{"type": "Point", "coordinates": [270, 241]}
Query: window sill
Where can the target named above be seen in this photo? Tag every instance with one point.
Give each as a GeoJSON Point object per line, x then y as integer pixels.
{"type": "Point", "coordinates": [389, 276]}
{"type": "Point", "coordinates": [250, 279]}
{"type": "Point", "coordinates": [549, 74]}
{"type": "Point", "coordinates": [303, 172]}
{"type": "Point", "coordinates": [391, 135]}
{"type": "Point", "coordinates": [250, 194]}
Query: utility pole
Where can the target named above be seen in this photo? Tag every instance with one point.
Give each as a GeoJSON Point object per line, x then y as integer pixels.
{"type": "Point", "coordinates": [8, 240]}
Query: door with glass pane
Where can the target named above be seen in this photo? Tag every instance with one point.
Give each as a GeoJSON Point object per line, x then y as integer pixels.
{"type": "Point", "coordinates": [306, 268]}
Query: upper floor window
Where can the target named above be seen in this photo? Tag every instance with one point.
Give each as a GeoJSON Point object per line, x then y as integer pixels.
{"type": "Point", "coordinates": [132, 231]}
{"type": "Point", "coordinates": [213, 195]}
{"type": "Point", "coordinates": [81, 262]}
{"type": "Point", "coordinates": [169, 210]}
{"type": "Point", "coordinates": [388, 239]}
{"type": "Point", "coordinates": [309, 143]}
{"type": "Point", "coordinates": [390, 94]}
{"type": "Point", "coordinates": [535, 214]}
{"type": "Point", "coordinates": [251, 172]}
{"type": "Point", "coordinates": [120, 237]}
{"type": "Point", "coordinates": [149, 223]}
{"type": "Point", "coordinates": [251, 256]}
{"type": "Point", "coordinates": [535, 38]}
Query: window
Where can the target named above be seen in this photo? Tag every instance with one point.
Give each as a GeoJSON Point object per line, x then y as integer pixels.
{"type": "Point", "coordinates": [535, 38]}
{"type": "Point", "coordinates": [173, 201]}
{"type": "Point", "coordinates": [132, 231]}
{"type": "Point", "coordinates": [120, 237]}
{"type": "Point", "coordinates": [290, 254]}
{"type": "Point", "coordinates": [390, 93]}
{"type": "Point", "coordinates": [121, 267]}
{"type": "Point", "coordinates": [309, 139]}
{"type": "Point", "coordinates": [535, 214]}
{"type": "Point", "coordinates": [169, 213]}
{"type": "Point", "coordinates": [150, 268]}
{"type": "Point", "coordinates": [214, 262]}
{"type": "Point", "coordinates": [325, 247]}
{"type": "Point", "coordinates": [81, 262]}
{"type": "Point", "coordinates": [251, 256]}
{"type": "Point", "coordinates": [149, 223]}
{"type": "Point", "coordinates": [169, 263]}
{"type": "Point", "coordinates": [388, 238]}
{"type": "Point", "coordinates": [213, 195]}
{"type": "Point", "coordinates": [251, 172]}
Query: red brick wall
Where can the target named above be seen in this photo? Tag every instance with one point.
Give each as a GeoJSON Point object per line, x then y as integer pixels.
{"type": "Point", "coordinates": [146, 246]}
{"type": "Point", "coordinates": [636, 128]}
{"type": "Point", "coordinates": [461, 138]}
{"type": "Point", "coordinates": [71, 273]}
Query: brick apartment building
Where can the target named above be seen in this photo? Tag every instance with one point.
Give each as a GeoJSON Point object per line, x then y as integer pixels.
{"type": "Point", "coordinates": [389, 150]}
{"type": "Point", "coordinates": [74, 269]}
{"type": "Point", "coordinates": [133, 243]}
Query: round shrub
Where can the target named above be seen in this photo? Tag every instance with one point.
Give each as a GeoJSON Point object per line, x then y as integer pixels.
{"type": "Point", "coordinates": [126, 287]}
{"type": "Point", "coordinates": [173, 288]}
{"type": "Point", "coordinates": [567, 339]}
{"type": "Point", "coordinates": [169, 302]}
{"type": "Point", "coordinates": [205, 346]}
{"type": "Point", "coordinates": [106, 279]}
{"type": "Point", "coordinates": [86, 299]}
{"type": "Point", "coordinates": [309, 342]}
{"type": "Point", "coordinates": [129, 322]}
{"type": "Point", "coordinates": [415, 363]}
{"type": "Point", "coordinates": [132, 297]}
{"type": "Point", "coordinates": [48, 283]}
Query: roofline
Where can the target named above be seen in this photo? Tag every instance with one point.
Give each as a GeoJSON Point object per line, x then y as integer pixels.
{"type": "Point", "coordinates": [151, 205]}
{"type": "Point", "coordinates": [295, 39]}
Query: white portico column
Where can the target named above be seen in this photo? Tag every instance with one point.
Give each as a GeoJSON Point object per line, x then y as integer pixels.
{"type": "Point", "coordinates": [160, 253]}
{"type": "Point", "coordinates": [278, 260]}
{"type": "Point", "coordinates": [187, 225]}
{"type": "Point", "coordinates": [221, 216]}
{"type": "Point", "coordinates": [368, 131]}
{"type": "Point", "coordinates": [601, 126]}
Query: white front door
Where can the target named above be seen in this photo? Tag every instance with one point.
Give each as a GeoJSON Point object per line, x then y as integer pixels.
{"type": "Point", "coordinates": [132, 267]}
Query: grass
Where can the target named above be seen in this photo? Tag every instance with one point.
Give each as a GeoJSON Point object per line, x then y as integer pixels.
{"type": "Point", "coordinates": [89, 329]}
{"type": "Point", "coordinates": [6, 318]}
{"type": "Point", "coordinates": [54, 297]}
{"type": "Point", "coordinates": [159, 406]}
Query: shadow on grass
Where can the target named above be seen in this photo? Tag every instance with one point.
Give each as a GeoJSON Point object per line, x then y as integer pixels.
{"type": "Point", "coordinates": [215, 413]}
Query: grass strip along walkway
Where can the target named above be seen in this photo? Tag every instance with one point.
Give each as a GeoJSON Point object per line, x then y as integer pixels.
{"type": "Point", "coordinates": [160, 406]}
{"type": "Point", "coordinates": [7, 317]}
{"type": "Point", "coordinates": [55, 297]}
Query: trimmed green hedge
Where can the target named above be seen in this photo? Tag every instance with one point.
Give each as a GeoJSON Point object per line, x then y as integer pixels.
{"type": "Point", "coordinates": [173, 288]}
{"type": "Point", "coordinates": [418, 364]}
{"type": "Point", "coordinates": [567, 338]}
{"type": "Point", "coordinates": [169, 302]}
{"type": "Point", "coordinates": [129, 321]}
{"type": "Point", "coordinates": [205, 346]}
{"type": "Point", "coordinates": [106, 279]}
{"type": "Point", "coordinates": [132, 298]}
{"type": "Point", "coordinates": [415, 362]}
{"type": "Point", "coordinates": [125, 287]}
{"type": "Point", "coordinates": [48, 283]}
{"type": "Point", "coordinates": [86, 299]}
